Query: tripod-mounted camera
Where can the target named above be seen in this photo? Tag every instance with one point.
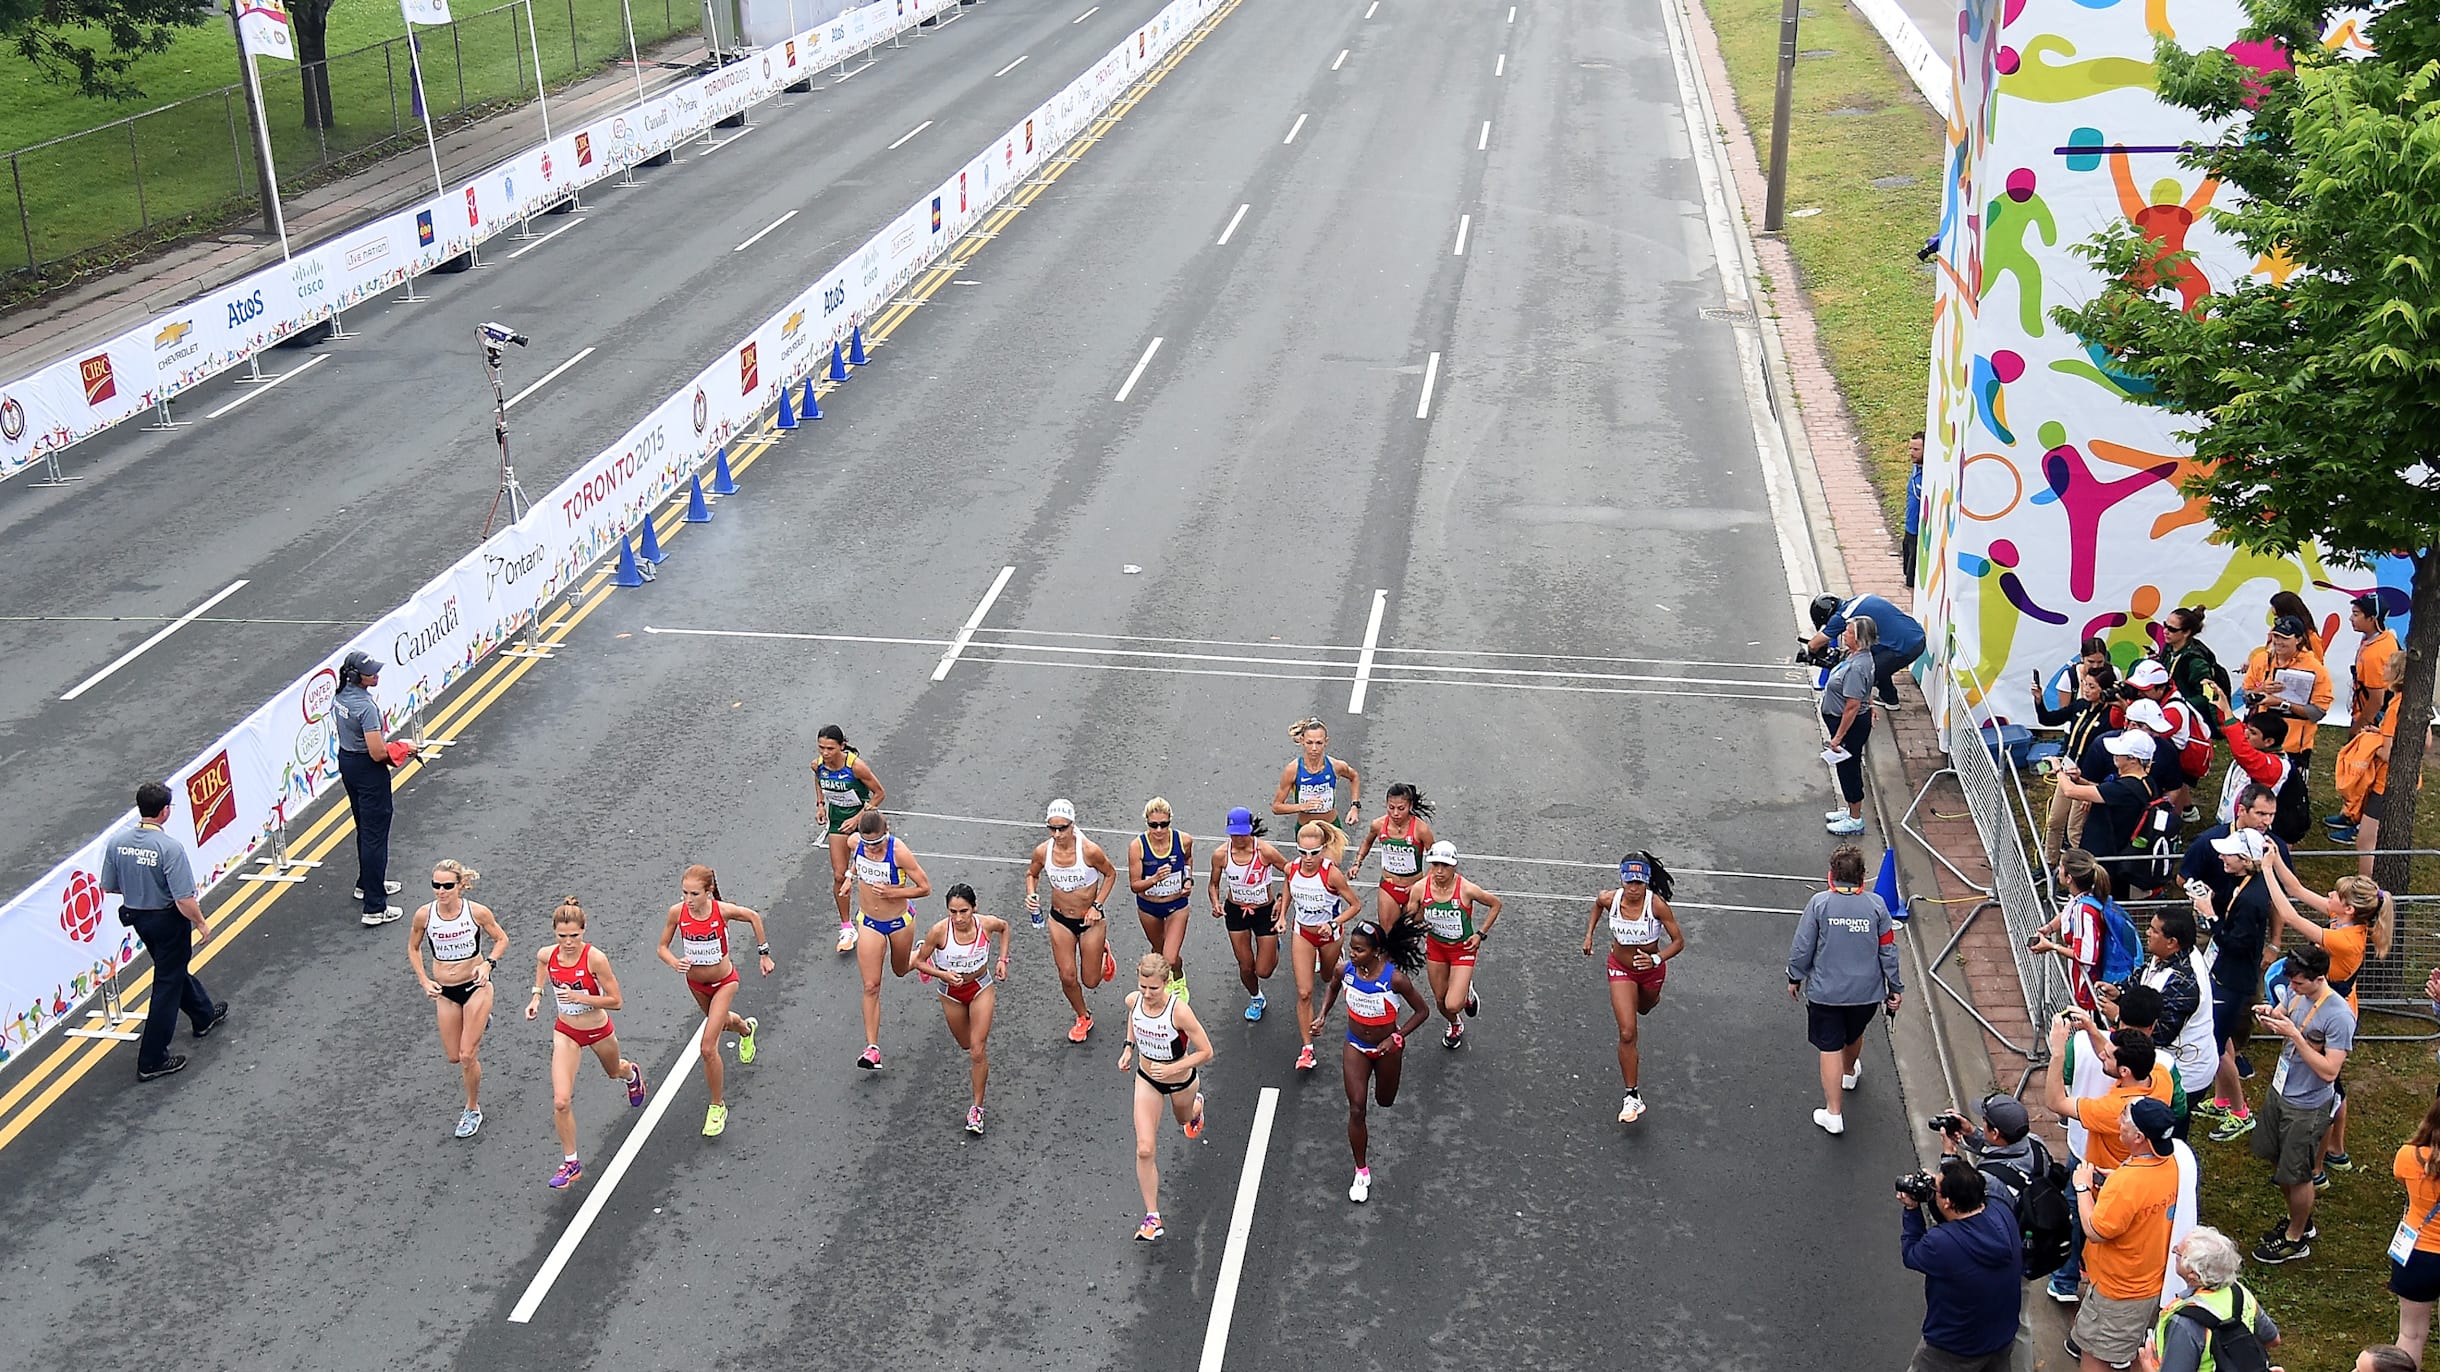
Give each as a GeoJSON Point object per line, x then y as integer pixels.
{"type": "Point", "coordinates": [495, 339]}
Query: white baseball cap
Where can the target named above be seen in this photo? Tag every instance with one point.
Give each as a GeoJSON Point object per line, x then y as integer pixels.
{"type": "Point", "coordinates": [2244, 843]}
{"type": "Point", "coordinates": [2148, 673]}
{"type": "Point", "coordinates": [2148, 714]}
{"type": "Point", "coordinates": [2130, 743]}
{"type": "Point", "coordinates": [1443, 853]}
{"type": "Point", "coordinates": [1061, 809]}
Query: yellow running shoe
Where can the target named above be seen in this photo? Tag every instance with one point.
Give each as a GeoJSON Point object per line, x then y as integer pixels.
{"type": "Point", "coordinates": [1177, 989]}
{"type": "Point", "coordinates": [715, 1120]}
{"type": "Point", "coordinates": [745, 1041]}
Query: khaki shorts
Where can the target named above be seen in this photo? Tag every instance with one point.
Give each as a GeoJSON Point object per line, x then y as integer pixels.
{"type": "Point", "coordinates": [2291, 1138]}
{"type": "Point", "coordinates": [2114, 1330]}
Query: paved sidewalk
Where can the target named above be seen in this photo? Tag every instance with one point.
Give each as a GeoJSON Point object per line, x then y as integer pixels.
{"type": "Point", "coordinates": [92, 311]}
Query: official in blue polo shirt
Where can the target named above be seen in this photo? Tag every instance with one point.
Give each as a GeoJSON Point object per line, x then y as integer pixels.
{"type": "Point", "coordinates": [150, 873]}
{"type": "Point", "coordinates": [365, 758]}
{"type": "Point", "coordinates": [1902, 639]}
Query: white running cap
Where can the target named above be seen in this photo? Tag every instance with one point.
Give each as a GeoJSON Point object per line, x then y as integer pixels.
{"type": "Point", "coordinates": [1443, 853]}
{"type": "Point", "coordinates": [1061, 809]}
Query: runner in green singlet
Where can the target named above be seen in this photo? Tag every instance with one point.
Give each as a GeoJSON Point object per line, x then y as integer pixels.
{"type": "Point", "coordinates": [1402, 835]}
{"type": "Point", "coordinates": [1446, 903]}
{"type": "Point", "coordinates": [848, 789]}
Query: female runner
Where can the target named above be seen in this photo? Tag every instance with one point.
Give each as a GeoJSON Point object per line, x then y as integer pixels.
{"type": "Point", "coordinates": [1242, 872]}
{"type": "Point", "coordinates": [848, 789]}
{"type": "Point", "coordinates": [1160, 871]}
{"type": "Point", "coordinates": [699, 925]}
{"type": "Point", "coordinates": [586, 991]}
{"type": "Point", "coordinates": [1319, 894]}
{"type": "Point", "coordinates": [1377, 987]}
{"type": "Point", "coordinates": [1446, 901]}
{"type": "Point", "coordinates": [956, 955]}
{"type": "Point", "coordinates": [890, 880]}
{"type": "Point", "coordinates": [1309, 784]}
{"type": "Point", "coordinates": [1404, 837]}
{"type": "Point", "coordinates": [1080, 882]}
{"type": "Point", "coordinates": [1167, 1047]}
{"type": "Point", "coordinates": [460, 981]}
{"type": "Point", "coordinates": [1639, 914]}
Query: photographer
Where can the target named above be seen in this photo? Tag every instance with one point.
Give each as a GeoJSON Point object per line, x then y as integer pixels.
{"type": "Point", "coordinates": [1899, 638]}
{"type": "Point", "coordinates": [2005, 1141]}
{"type": "Point", "coordinates": [1973, 1271]}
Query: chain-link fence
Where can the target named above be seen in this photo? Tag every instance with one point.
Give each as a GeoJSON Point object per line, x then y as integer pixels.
{"type": "Point", "coordinates": [191, 163]}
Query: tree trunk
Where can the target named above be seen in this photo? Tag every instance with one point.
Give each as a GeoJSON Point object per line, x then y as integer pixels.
{"type": "Point", "coordinates": [2414, 717]}
{"type": "Point", "coordinates": [311, 24]}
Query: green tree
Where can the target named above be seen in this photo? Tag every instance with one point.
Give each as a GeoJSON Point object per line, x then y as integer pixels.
{"type": "Point", "coordinates": [91, 44]}
{"type": "Point", "coordinates": [2315, 394]}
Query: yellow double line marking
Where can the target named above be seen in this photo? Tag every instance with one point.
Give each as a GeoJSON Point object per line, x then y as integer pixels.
{"type": "Point", "coordinates": [239, 910]}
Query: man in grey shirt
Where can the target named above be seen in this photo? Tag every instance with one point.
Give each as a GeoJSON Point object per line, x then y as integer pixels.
{"type": "Point", "coordinates": [2318, 1027]}
{"type": "Point", "coordinates": [1844, 966]}
{"type": "Point", "coordinates": [365, 759]}
{"type": "Point", "coordinates": [150, 873]}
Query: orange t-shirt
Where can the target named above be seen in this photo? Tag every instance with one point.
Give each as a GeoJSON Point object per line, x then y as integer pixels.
{"type": "Point", "coordinates": [2101, 1114]}
{"type": "Point", "coordinates": [2126, 1248]}
{"type": "Point", "coordinates": [2258, 677]}
{"type": "Point", "coordinates": [2345, 945]}
{"type": "Point", "coordinates": [2422, 1193]}
{"type": "Point", "coordinates": [2371, 669]}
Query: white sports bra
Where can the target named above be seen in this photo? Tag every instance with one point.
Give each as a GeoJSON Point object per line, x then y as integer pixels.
{"type": "Point", "coordinates": [1074, 878]}
{"type": "Point", "coordinates": [1316, 904]}
{"type": "Point", "coordinates": [1641, 931]}
{"type": "Point", "coordinates": [1249, 883]}
{"type": "Point", "coordinates": [1156, 1036]}
{"type": "Point", "coordinates": [965, 959]}
{"type": "Point", "coordinates": [452, 940]}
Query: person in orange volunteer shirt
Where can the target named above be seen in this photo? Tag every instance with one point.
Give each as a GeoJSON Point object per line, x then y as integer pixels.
{"type": "Point", "coordinates": [2372, 686]}
{"type": "Point", "coordinates": [2127, 1222]}
{"type": "Point", "coordinates": [2135, 1071]}
{"type": "Point", "coordinates": [2414, 1250]}
{"type": "Point", "coordinates": [2288, 651]}
{"type": "Point", "coordinates": [2362, 917]}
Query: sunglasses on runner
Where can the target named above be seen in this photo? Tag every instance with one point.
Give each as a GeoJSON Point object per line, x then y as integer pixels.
{"type": "Point", "coordinates": [1059, 828]}
{"type": "Point", "coordinates": [1309, 852]}
{"type": "Point", "coordinates": [1156, 824]}
{"type": "Point", "coordinates": [444, 886]}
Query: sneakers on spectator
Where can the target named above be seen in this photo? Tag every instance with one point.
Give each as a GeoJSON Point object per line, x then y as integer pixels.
{"type": "Point", "coordinates": [2338, 1162]}
{"type": "Point", "coordinates": [1845, 824]}
{"type": "Point", "coordinates": [2233, 1127]}
{"type": "Point", "coordinates": [2282, 1249]}
{"type": "Point", "coordinates": [2064, 1295]}
{"type": "Point", "coordinates": [2342, 836]}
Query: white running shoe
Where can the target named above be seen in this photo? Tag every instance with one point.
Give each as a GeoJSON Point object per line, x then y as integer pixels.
{"type": "Point", "coordinates": [374, 918]}
{"type": "Point", "coordinates": [1361, 1190]}
{"type": "Point", "coordinates": [1633, 1110]}
{"type": "Point", "coordinates": [388, 888]}
{"type": "Point", "coordinates": [1847, 1082]}
{"type": "Point", "coordinates": [1845, 824]}
{"type": "Point", "coordinates": [847, 938]}
{"type": "Point", "coordinates": [1834, 815]}
{"type": "Point", "coordinates": [1830, 1124]}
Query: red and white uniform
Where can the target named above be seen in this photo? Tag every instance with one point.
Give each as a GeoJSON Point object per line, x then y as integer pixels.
{"type": "Point", "coordinates": [2080, 927]}
{"type": "Point", "coordinates": [580, 980]}
{"type": "Point", "coordinates": [704, 942]}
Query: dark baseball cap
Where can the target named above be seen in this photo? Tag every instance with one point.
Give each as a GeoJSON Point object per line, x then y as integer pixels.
{"type": "Point", "coordinates": [2153, 1120]}
{"type": "Point", "coordinates": [363, 664]}
{"type": "Point", "coordinates": [2007, 1115]}
{"type": "Point", "coordinates": [2370, 604]}
{"type": "Point", "coordinates": [2289, 626]}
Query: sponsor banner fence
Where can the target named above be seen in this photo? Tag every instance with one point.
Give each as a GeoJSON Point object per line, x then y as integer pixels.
{"type": "Point", "coordinates": [75, 397]}
{"type": "Point", "coordinates": [60, 939]}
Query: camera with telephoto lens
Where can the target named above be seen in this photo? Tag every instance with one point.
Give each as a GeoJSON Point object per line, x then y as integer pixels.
{"type": "Point", "coordinates": [1948, 1122]}
{"type": "Point", "coordinates": [1807, 655]}
{"type": "Point", "coordinates": [1921, 1187]}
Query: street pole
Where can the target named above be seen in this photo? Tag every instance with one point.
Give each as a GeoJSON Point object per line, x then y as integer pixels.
{"type": "Point", "coordinates": [272, 218]}
{"type": "Point", "coordinates": [1775, 197]}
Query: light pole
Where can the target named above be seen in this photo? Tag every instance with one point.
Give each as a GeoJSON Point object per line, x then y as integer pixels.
{"type": "Point", "coordinates": [1775, 196]}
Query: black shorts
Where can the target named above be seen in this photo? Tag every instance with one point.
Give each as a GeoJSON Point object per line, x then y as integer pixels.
{"type": "Point", "coordinates": [1256, 921]}
{"type": "Point", "coordinates": [1830, 1028]}
{"type": "Point", "coordinates": [462, 992]}
{"type": "Point", "coordinates": [1073, 926]}
{"type": "Point", "coordinates": [1168, 1088]}
{"type": "Point", "coordinates": [2232, 1010]}
{"type": "Point", "coordinates": [2417, 1278]}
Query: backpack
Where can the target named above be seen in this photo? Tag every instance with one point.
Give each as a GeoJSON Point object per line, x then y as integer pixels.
{"type": "Point", "coordinates": [2121, 947]}
{"type": "Point", "coordinates": [2231, 1343]}
{"type": "Point", "coordinates": [2152, 847]}
{"type": "Point", "coordinates": [2044, 1220]}
{"type": "Point", "coordinates": [2295, 814]}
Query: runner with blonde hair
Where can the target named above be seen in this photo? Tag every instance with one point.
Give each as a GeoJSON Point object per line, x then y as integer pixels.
{"type": "Point", "coordinates": [1167, 1047]}
{"type": "Point", "coordinates": [459, 981]}
{"type": "Point", "coordinates": [585, 991]}
{"type": "Point", "coordinates": [1309, 784]}
{"type": "Point", "coordinates": [1161, 873]}
{"type": "Point", "coordinates": [1322, 901]}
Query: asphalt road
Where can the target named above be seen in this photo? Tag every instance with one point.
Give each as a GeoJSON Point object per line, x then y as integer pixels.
{"type": "Point", "coordinates": [1578, 651]}
{"type": "Point", "coordinates": [336, 494]}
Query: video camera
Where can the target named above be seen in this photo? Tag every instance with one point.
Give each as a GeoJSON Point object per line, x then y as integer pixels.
{"type": "Point", "coordinates": [495, 337]}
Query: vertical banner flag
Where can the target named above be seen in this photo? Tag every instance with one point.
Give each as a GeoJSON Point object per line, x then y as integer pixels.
{"type": "Point", "coordinates": [264, 24]}
{"type": "Point", "coordinates": [425, 11]}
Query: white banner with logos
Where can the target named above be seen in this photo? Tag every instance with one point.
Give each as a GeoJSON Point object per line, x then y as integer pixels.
{"type": "Point", "coordinates": [60, 938]}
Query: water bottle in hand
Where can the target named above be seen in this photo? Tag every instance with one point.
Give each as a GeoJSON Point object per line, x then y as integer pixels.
{"type": "Point", "coordinates": [1033, 908]}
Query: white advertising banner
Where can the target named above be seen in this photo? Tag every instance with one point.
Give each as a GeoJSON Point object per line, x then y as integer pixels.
{"type": "Point", "coordinates": [60, 938]}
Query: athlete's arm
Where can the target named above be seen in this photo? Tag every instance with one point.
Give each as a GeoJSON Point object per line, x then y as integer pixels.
{"type": "Point", "coordinates": [489, 923]}
{"type": "Point", "coordinates": [912, 883]}
{"type": "Point", "coordinates": [932, 939]}
{"type": "Point", "coordinates": [986, 921]}
{"type": "Point", "coordinates": [1218, 885]}
{"type": "Point", "coordinates": [1336, 879]}
{"type": "Point", "coordinates": [1329, 1002]}
{"type": "Point", "coordinates": [1372, 831]}
{"type": "Point", "coordinates": [1405, 988]}
{"type": "Point", "coordinates": [762, 939]}
{"type": "Point", "coordinates": [1199, 1043]}
{"type": "Point", "coordinates": [1355, 786]}
{"type": "Point", "coordinates": [1424, 837]}
{"type": "Point", "coordinates": [1467, 890]}
{"type": "Point", "coordinates": [1033, 874]}
{"type": "Point", "coordinates": [533, 1003]}
{"type": "Point", "coordinates": [1594, 921]}
{"type": "Point", "coordinates": [1284, 801]}
{"type": "Point", "coordinates": [669, 931]}
{"type": "Point", "coordinates": [599, 963]}
{"type": "Point", "coordinates": [1126, 1050]}
{"type": "Point", "coordinates": [1668, 919]}
{"type": "Point", "coordinates": [1099, 861]}
{"type": "Point", "coordinates": [1136, 880]}
{"type": "Point", "coordinates": [415, 953]}
{"type": "Point", "coordinates": [865, 775]}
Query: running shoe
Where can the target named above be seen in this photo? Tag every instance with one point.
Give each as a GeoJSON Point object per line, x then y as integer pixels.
{"type": "Point", "coordinates": [870, 1058]}
{"type": "Point", "coordinates": [1304, 1060]}
{"type": "Point", "coordinates": [2274, 1251]}
{"type": "Point", "coordinates": [1109, 966]}
{"type": "Point", "coordinates": [1829, 816]}
{"type": "Point", "coordinates": [1255, 1007]}
{"type": "Point", "coordinates": [1150, 1229]}
{"type": "Point", "coordinates": [1455, 1037]}
{"type": "Point", "coordinates": [974, 1121]}
{"type": "Point", "coordinates": [2278, 1231]}
{"type": "Point", "coordinates": [745, 1041]}
{"type": "Point", "coordinates": [1194, 1127]}
{"type": "Point", "coordinates": [2192, 814]}
{"type": "Point", "coordinates": [2344, 835]}
{"type": "Point", "coordinates": [1474, 1003]}
{"type": "Point", "coordinates": [2337, 821]}
{"type": "Point", "coordinates": [1845, 825]}
{"type": "Point", "coordinates": [715, 1120]}
{"type": "Point", "coordinates": [2321, 1180]}
{"type": "Point", "coordinates": [2233, 1128]}
{"type": "Point", "coordinates": [568, 1171]}
{"type": "Point", "coordinates": [375, 918]}
{"type": "Point", "coordinates": [1847, 1082]}
{"type": "Point", "coordinates": [635, 1084]}
{"type": "Point", "coordinates": [2209, 1109]}
{"type": "Point", "coordinates": [1177, 989]}
{"type": "Point", "coordinates": [2069, 1294]}
{"type": "Point", "coordinates": [204, 1031]}
{"type": "Point", "coordinates": [1361, 1189]}
{"type": "Point", "coordinates": [1083, 1026]}
{"type": "Point", "coordinates": [1830, 1124]}
{"type": "Point", "coordinates": [2338, 1162]}
{"type": "Point", "coordinates": [847, 937]}
{"type": "Point", "coordinates": [469, 1120]}
{"type": "Point", "coordinates": [1633, 1108]}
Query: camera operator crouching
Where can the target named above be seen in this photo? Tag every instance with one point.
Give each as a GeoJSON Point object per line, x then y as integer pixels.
{"type": "Point", "coordinates": [1973, 1266]}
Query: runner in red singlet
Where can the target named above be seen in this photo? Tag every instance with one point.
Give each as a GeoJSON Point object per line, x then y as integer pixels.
{"type": "Point", "coordinates": [956, 955]}
{"type": "Point", "coordinates": [586, 991]}
{"type": "Point", "coordinates": [698, 927]}
{"type": "Point", "coordinates": [1404, 835]}
{"type": "Point", "coordinates": [1639, 914]}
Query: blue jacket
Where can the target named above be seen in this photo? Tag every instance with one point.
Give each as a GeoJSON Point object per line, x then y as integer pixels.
{"type": "Point", "coordinates": [1973, 1279]}
{"type": "Point", "coordinates": [1899, 631]}
{"type": "Point", "coordinates": [1914, 499]}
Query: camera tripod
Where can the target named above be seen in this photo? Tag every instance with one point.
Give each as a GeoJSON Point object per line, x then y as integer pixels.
{"type": "Point", "coordinates": [509, 490]}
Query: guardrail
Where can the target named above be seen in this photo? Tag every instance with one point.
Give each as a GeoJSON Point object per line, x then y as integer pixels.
{"type": "Point", "coordinates": [240, 794]}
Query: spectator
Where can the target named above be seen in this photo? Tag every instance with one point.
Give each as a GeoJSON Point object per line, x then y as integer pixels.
{"type": "Point", "coordinates": [365, 759]}
{"type": "Point", "coordinates": [2287, 652]}
{"type": "Point", "coordinates": [1973, 1267]}
{"type": "Point", "coordinates": [2257, 810]}
{"type": "Point", "coordinates": [2128, 1230]}
{"type": "Point", "coordinates": [2289, 605]}
{"type": "Point", "coordinates": [2139, 1009]}
{"type": "Point", "coordinates": [1898, 643]}
{"type": "Point", "coordinates": [2118, 800]}
{"type": "Point", "coordinates": [2090, 1088]}
{"type": "Point", "coordinates": [2369, 685]}
{"type": "Point", "coordinates": [2383, 1357]}
{"type": "Point", "coordinates": [150, 873]}
{"type": "Point", "coordinates": [2183, 1340]}
{"type": "Point", "coordinates": [2189, 659]}
{"type": "Point", "coordinates": [2006, 1151]}
{"type": "Point", "coordinates": [2256, 749]}
{"type": "Point", "coordinates": [2068, 677]}
{"type": "Point", "coordinates": [2181, 732]}
{"type": "Point", "coordinates": [2176, 971]}
{"type": "Point", "coordinates": [1914, 510]}
{"type": "Point", "coordinates": [2077, 931]}
{"type": "Point", "coordinates": [2235, 899]}
{"type": "Point", "coordinates": [1844, 966]}
{"type": "Point", "coordinates": [2362, 771]}
{"type": "Point", "coordinates": [2319, 1027]}
{"type": "Point", "coordinates": [2363, 918]}
{"type": "Point", "coordinates": [1847, 718]}
{"type": "Point", "coordinates": [2087, 718]}
{"type": "Point", "coordinates": [2414, 1250]}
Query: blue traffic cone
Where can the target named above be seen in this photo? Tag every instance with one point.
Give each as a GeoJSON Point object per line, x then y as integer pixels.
{"type": "Point", "coordinates": [697, 511]}
{"type": "Point", "coordinates": [855, 347]}
{"type": "Point", "coordinates": [628, 573]}
{"type": "Point", "coordinates": [787, 416]}
{"type": "Point", "coordinates": [648, 548]}
{"type": "Point", "coordinates": [812, 409]}
{"type": "Point", "coordinates": [838, 363]}
{"type": "Point", "coordinates": [1886, 886]}
{"type": "Point", "coordinates": [722, 482]}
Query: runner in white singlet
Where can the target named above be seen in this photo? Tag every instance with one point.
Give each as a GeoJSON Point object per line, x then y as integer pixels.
{"type": "Point", "coordinates": [1248, 904]}
{"type": "Point", "coordinates": [1644, 936]}
{"type": "Point", "coordinates": [1167, 1047]}
{"type": "Point", "coordinates": [1321, 901]}
{"type": "Point", "coordinates": [1080, 878]}
{"type": "Point", "coordinates": [956, 955]}
{"type": "Point", "coordinates": [459, 981]}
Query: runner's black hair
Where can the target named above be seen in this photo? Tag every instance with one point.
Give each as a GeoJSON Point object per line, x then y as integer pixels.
{"type": "Point", "coordinates": [1412, 795]}
{"type": "Point", "coordinates": [1662, 884]}
{"type": "Point", "coordinates": [1258, 827]}
{"type": "Point", "coordinates": [835, 734]}
{"type": "Point", "coordinates": [1401, 943]}
{"type": "Point", "coordinates": [961, 891]}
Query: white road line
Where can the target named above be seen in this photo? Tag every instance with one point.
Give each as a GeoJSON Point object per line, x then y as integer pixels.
{"type": "Point", "coordinates": [910, 133]}
{"type": "Point", "coordinates": [1783, 668]}
{"type": "Point", "coordinates": [1464, 222]}
{"type": "Point", "coordinates": [1342, 57]}
{"type": "Point", "coordinates": [1232, 225]}
{"type": "Point", "coordinates": [1086, 15]}
{"type": "Point", "coordinates": [757, 238]}
{"type": "Point", "coordinates": [299, 370]}
{"type": "Point", "coordinates": [1500, 68]}
{"type": "Point", "coordinates": [552, 375]}
{"type": "Point", "coordinates": [1364, 655]}
{"type": "Point", "coordinates": [713, 148]}
{"type": "Point", "coordinates": [1431, 377]}
{"type": "Point", "coordinates": [1294, 129]}
{"type": "Point", "coordinates": [545, 238]}
{"type": "Point", "coordinates": [1368, 11]}
{"type": "Point", "coordinates": [1512, 14]}
{"type": "Point", "coordinates": [1011, 66]}
{"type": "Point", "coordinates": [1485, 140]}
{"type": "Point", "coordinates": [1799, 700]}
{"type": "Point", "coordinates": [1132, 377]}
{"type": "Point", "coordinates": [540, 1286]}
{"type": "Point", "coordinates": [805, 638]}
{"type": "Point", "coordinates": [165, 631]}
{"type": "Point", "coordinates": [973, 621]}
{"type": "Point", "coordinates": [1240, 1229]}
